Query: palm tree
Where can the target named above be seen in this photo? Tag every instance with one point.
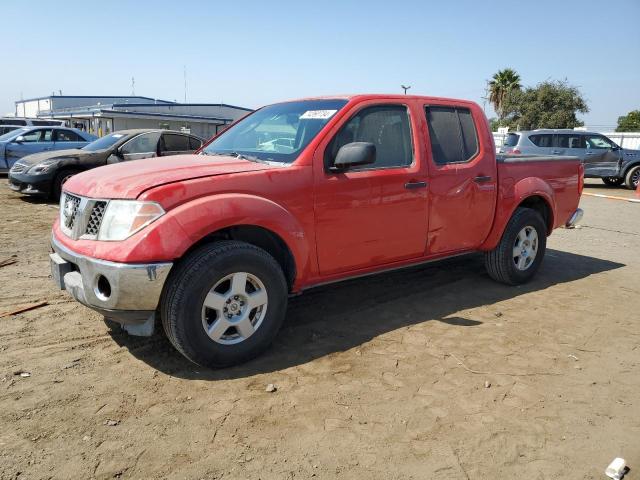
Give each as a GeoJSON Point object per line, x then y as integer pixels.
{"type": "Point", "coordinates": [501, 85]}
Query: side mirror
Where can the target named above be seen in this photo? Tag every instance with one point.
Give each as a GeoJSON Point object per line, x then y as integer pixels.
{"type": "Point", "coordinates": [118, 153]}
{"type": "Point", "coordinates": [354, 154]}
{"type": "Point", "coordinates": [19, 139]}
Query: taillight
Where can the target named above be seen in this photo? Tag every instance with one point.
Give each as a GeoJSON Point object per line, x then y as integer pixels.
{"type": "Point", "coordinates": [516, 151]}
{"type": "Point", "coordinates": [580, 179]}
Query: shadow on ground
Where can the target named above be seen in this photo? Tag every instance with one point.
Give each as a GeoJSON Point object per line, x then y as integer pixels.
{"type": "Point", "coordinates": [341, 316]}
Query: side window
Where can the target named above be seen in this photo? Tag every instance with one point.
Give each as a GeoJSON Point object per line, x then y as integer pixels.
{"type": "Point", "coordinates": [452, 134]}
{"type": "Point", "coordinates": [67, 136]}
{"type": "Point", "coordinates": [40, 135]}
{"type": "Point", "coordinates": [598, 142]}
{"type": "Point", "coordinates": [145, 143]}
{"type": "Point", "coordinates": [175, 143]}
{"type": "Point", "coordinates": [194, 143]}
{"type": "Point", "coordinates": [542, 140]}
{"type": "Point", "coordinates": [568, 141]}
{"type": "Point", "coordinates": [387, 127]}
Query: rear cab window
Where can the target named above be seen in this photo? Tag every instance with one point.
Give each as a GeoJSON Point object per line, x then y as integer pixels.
{"type": "Point", "coordinates": [452, 133]}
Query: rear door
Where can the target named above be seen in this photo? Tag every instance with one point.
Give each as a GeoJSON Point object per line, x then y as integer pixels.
{"type": "Point", "coordinates": [463, 178]}
{"type": "Point", "coordinates": [602, 156]}
{"type": "Point", "coordinates": [65, 139]}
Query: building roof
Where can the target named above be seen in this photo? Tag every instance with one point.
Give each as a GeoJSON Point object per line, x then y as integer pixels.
{"type": "Point", "coordinates": [94, 96]}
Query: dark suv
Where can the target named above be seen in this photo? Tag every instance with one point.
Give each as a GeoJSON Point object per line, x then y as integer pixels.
{"type": "Point", "coordinates": [601, 157]}
{"type": "Point", "coordinates": [45, 173]}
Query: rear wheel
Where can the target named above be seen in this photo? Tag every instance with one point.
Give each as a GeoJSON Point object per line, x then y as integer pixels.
{"type": "Point", "coordinates": [61, 178]}
{"type": "Point", "coordinates": [613, 181]}
{"type": "Point", "coordinates": [224, 303]}
{"type": "Point", "coordinates": [632, 177]}
{"type": "Point", "coordinates": [519, 254]}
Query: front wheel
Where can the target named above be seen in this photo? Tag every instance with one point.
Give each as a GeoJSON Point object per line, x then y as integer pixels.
{"type": "Point", "coordinates": [612, 181]}
{"type": "Point", "coordinates": [633, 177]}
{"type": "Point", "coordinates": [519, 254]}
{"type": "Point", "coordinates": [224, 303]}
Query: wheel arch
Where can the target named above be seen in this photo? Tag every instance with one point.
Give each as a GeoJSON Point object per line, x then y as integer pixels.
{"type": "Point", "coordinates": [260, 237]}
{"type": "Point", "coordinates": [529, 192]}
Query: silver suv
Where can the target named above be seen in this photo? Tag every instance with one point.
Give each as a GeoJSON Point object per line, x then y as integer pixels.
{"type": "Point", "coordinates": [601, 157]}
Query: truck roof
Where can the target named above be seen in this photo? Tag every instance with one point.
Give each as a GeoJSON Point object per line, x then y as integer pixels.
{"type": "Point", "coordinates": [380, 96]}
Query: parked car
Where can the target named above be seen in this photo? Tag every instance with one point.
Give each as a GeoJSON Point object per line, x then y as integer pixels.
{"type": "Point", "coordinates": [295, 195]}
{"type": "Point", "coordinates": [8, 128]}
{"type": "Point", "coordinates": [602, 158]}
{"type": "Point", "coordinates": [26, 121]}
{"type": "Point", "coordinates": [27, 140]}
{"type": "Point", "coordinates": [44, 173]}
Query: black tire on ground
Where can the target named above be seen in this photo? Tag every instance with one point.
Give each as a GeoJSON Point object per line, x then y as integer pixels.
{"type": "Point", "coordinates": [613, 181]}
{"type": "Point", "coordinates": [181, 306]}
{"type": "Point", "coordinates": [632, 177]}
{"type": "Point", "coordinates": [61, 177]}
{"type": "Point", "coordinates": [500, 262]}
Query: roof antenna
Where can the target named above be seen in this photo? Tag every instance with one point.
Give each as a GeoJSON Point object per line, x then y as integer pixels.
{"type": "Point", "coordinates": [405, 88]}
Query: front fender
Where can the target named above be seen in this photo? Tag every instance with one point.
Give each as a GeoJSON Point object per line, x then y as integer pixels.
{"type": "Point", "coordinates": [511, 196]}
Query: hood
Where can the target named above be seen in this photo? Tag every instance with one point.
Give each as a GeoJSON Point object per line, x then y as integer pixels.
{"type": "Point", "coordinates": [628, 153]}
{"type": "Point", "coordinates": [130, 179]}
{"type": "Point", "coordinates": [50, 155]}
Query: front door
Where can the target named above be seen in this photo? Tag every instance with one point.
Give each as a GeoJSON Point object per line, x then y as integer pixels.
{"type": "Point", "coordinates": [373, 214]}
{"type": "Point", "coordinates": [463, 179]}
{"type": "Point", "coordinates": [602, 156]}
{"type": "Point", "coordinates": [35, 141]}
{"type": "Point", "coordinates": [142, 146]}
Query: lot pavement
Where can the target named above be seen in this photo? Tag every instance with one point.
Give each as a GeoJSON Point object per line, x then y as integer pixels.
{"type": "Point", "coordinates": [429, 372]}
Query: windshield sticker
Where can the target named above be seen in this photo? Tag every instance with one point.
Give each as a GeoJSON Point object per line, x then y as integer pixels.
{"type": "Point", "coordinates": [317, 114]}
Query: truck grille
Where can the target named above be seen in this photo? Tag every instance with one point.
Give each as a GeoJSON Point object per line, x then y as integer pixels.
{"type": "Point", "coordinates": [95, 219]}
{"type": "Point", "coordinates": [80, 217]}
{"type": "Point", "coordinates": [70, 210]}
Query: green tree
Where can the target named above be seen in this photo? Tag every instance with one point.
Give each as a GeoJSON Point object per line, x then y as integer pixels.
{"type": "Point", "coordinates": [629, 122]}
{"type": "Point", "coordinates": [550, 104]}
{"type": "Point", "coordinates": [503, 83]}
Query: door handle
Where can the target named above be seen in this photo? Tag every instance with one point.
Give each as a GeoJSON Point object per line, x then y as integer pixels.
{"type": "Point", "coordinates": [414, 185]}
{"type": "Point", "coordinates": [590, 153]}
{"type": "Point", "coordinates": [555, 152]}
{"type": "Point", "coordinates": [482, 179]}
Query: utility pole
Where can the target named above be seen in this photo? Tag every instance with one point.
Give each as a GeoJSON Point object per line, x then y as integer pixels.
{"type": "Point", "coordinates": [405, 88]}
{"type": "Point", "coordinates": [133, 87]}
{"type": "Point", "coordinates": [185, 83]}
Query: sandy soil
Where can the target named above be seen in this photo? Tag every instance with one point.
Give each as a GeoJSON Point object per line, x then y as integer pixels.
{"type": "Point", "coordinates": [380, 378]}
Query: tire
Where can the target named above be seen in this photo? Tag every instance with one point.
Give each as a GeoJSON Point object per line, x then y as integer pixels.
{"type": "Point", "coordinates": [501, 262]}
{"type": "Point", "coordinates": [613, 181]}
{"type": "Point", "coordinates": [61, 177]}
{"type": "Point", "coordinates": [632, 177]}
{"type": "Point", "coordinates": [228, 276]}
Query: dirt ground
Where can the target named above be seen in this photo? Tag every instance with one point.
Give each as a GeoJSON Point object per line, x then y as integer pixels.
{"type": "Point", "coordinates": [378, 378]}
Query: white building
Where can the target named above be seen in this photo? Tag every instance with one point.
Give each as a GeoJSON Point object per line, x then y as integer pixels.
{"type": "Point", "coordinates": [102, 115]}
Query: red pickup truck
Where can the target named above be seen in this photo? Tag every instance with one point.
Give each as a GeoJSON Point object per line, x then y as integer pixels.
{"type": "Point", "coordinates": [295, 195]}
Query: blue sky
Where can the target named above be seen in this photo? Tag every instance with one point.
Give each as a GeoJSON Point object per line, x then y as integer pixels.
{"type": "Point", "coordinates": [250, 53]}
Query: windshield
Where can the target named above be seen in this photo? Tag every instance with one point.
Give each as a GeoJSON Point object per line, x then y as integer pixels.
{"type": "Point", "coordinates": [276, 133]}
{"type": "Point", "coordinates": [104, 142]}
{"type": "Point", "coordinates": [13, 133]}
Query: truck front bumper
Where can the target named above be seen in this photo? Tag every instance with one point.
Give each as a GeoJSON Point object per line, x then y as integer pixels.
{"type": "Point", "coordinates": [127, 293]}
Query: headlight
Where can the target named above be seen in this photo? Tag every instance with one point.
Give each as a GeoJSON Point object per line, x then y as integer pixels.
{"type": "Point", "coordinates": [123, 218]}
{"type": "Point", "coordinates": [39, 168]}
